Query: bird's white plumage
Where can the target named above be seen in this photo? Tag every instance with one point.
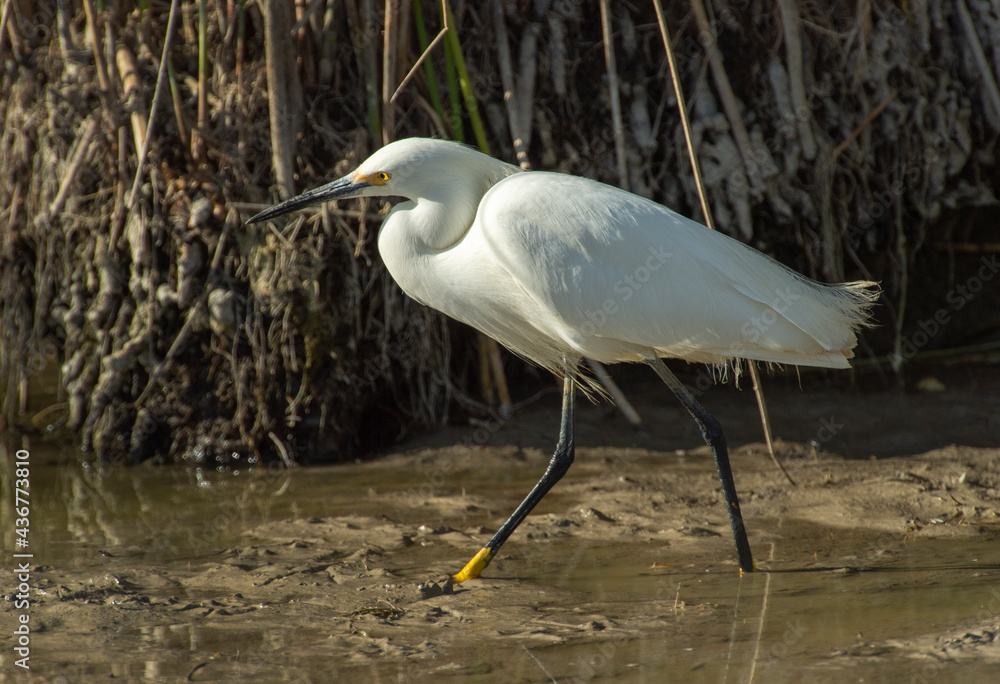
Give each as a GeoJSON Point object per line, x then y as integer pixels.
{"type": "Point", "coordinates": [619, 275]}
{"type": "Point", "coordinates": [558, 267]}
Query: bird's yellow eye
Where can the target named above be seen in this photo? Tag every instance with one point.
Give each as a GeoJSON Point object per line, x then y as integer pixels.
{"type": "Point", "coordinates": [383, 176]}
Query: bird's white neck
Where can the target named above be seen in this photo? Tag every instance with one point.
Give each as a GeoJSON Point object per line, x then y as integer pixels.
{"type": "Point", "coordinates": [429, 224]}
{"type": "Point", "coordinates": [437, 216]}
{"type": "Point", "coordinates": [414, 234]}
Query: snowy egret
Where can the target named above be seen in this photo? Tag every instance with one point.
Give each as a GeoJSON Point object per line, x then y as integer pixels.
{"type": "Point", "coordinates": [558, 268]}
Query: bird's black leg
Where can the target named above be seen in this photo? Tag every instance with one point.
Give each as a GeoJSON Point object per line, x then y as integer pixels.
{"type": "Point", "coordinates": [562, 459]}
{"type": "Point", "coordinates": [712, 432]}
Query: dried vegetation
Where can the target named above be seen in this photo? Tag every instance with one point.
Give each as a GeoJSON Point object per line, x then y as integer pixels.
{"type": "Point", "coordinates": [829, 139]}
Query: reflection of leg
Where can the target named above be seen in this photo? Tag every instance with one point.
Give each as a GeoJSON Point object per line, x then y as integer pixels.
{"type": "Point", "coordinates": [712, 433]}
{"type": "Point", "coordinates": [562, 459]}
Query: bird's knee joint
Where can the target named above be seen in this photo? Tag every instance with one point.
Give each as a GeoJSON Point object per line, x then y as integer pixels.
{"type": "Point", "coordinates": [712, 432]}
{"type": "Point", "coordinates": [562, 459]}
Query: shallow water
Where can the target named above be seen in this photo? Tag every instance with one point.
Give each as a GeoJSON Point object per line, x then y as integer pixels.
{"type": "Point", "coordinates": [81, 507]}
{"type": "Point", "coordinates": [863, 605]}
{"type": "Point", "coordinates": [784, 625]}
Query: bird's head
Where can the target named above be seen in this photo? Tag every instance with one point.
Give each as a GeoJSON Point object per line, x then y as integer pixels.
{"type": "Point", "coordinates": [406, 168]}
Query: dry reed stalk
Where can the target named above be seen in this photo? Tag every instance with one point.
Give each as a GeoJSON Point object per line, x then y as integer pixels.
{"type": "Point", "coordinates": [557, 54]}
{"type": "Point", "coordinates": [613, 93]}
{"type": "Point", "coordinates": [390, 50]}
{"type": "Point", "coordinates": [367, 58]}
{"type": "Point", "coordinates": [132, 98]}
{"type": "Point", "coordinates": [499, 377]}
{"type": "Point", "coordinates": [518, 99]}
{"type": "Point", "coordinates": [280, 65]}
{"type": "Point", "coordinates": [6, 26]}
{"type": "Point", "coordinates": [682, 109]}
{"type": "Point", "coordinates": [619, 398]}
{"type": "Point", "coordinates": [792, 26]}
{"type": "Point", "coordinates": [79, 154]}
{"type": "Point", "coordinates": [423, 55]}
{"type": "Point", "coordinates": [242, 106]}
{"type": "Point", "coordinates": [903, 280]}
{"type": "Point", "coordinates": [95, 45]}
{"type": "Point", "coordinates": [507, 80]}
{"type": "Point", "coordinates": [307, 14]}
{"type": "Point", "coordinates": [12, 209]}
{"type": "Point", "coordinates": [405, 21]}
{"type": "Point", "coordinates": [703, 198]}
{"type": "Point", "coordinates": [725, 90]}
{"type": "Point", "coordinates": [198, 151]}
{"type": "Point", "coordinates": [128, 65]}
{"type": "Point", "coordinates": [528, 61]}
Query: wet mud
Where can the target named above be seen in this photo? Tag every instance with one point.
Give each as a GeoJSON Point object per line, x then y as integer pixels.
{"type": "Point", "coordinates": [881, 564]}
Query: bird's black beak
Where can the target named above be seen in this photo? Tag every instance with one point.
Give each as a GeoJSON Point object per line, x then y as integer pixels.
{"type": "Point", "coordinates": [338, 189]}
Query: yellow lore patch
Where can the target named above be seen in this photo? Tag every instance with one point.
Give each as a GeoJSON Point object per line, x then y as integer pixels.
{"type": "Point", "coordinates": [380, 178]}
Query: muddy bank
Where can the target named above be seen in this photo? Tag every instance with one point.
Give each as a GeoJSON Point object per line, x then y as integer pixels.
{"type": "Point", "coordinates": [873, 566]}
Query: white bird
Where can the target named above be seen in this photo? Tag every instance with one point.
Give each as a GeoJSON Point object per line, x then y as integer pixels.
{"type": "Point", "coordinates": [557, 268]}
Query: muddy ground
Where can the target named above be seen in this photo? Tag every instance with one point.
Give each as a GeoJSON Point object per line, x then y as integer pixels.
{"type": "Point", "coordinates": [881, 564]}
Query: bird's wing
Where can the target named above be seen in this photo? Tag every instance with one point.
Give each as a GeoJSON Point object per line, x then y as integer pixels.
{"type": "Point", "coordinates": [614, 271]}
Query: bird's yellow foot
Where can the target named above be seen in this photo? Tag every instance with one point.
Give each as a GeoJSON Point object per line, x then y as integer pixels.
{"type": "Point", "coordinates": [474, 567]}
